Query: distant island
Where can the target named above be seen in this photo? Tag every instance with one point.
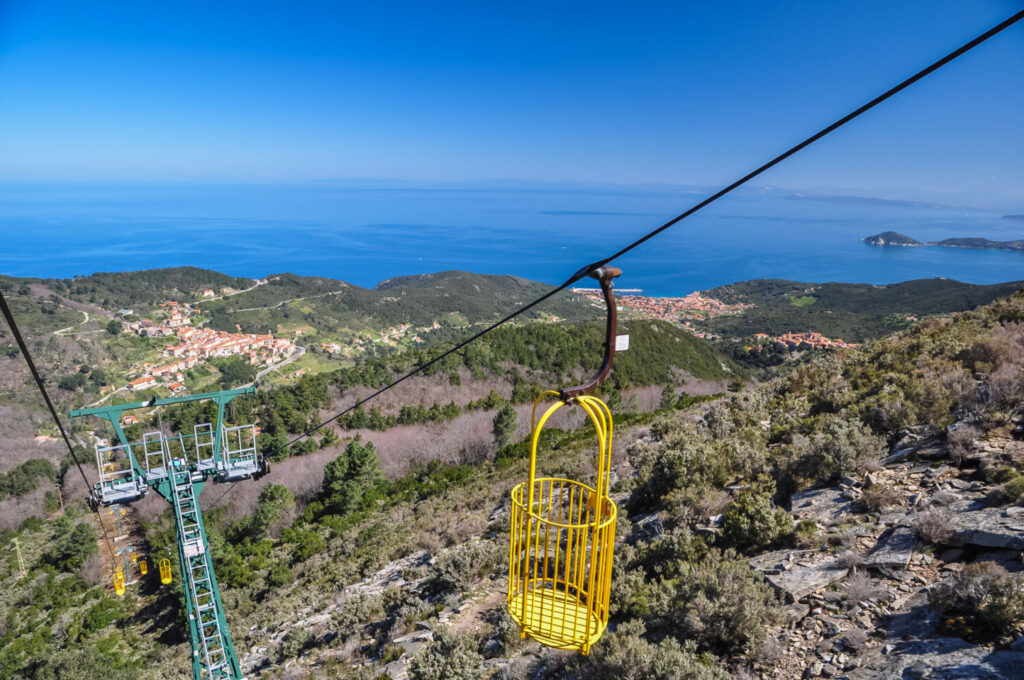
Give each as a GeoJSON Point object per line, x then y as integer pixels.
{"type": "Point", "coordinates": [1013, 217]}
{"type": "Point", "coordinates": [892, 238]}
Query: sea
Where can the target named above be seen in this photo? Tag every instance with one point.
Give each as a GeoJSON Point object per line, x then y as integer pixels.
{"type": "Point", "coordinates": [367, 231]}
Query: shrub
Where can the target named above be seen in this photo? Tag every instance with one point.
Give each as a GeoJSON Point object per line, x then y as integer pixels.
{"type": "Point", "coordinates": [357, 610]}
{"type": "Point", "coordinates": [718, 602]}
{"type": "Point", "coordinates": [448, 657]}
{"type": "Point", "coordinates": [961, 440]}
{"type": "Point", "coordinates": [626, 655]}
{"type": "Point", "coordinates": [850, 560]}
{"type": "Point", "coordinates": [982, 603]}
{"type": "Point", "coordinates": [751, 523]}
{"type": "Point", "coordinates": [880, 497]}
{"type": "Point", "coordinates": [860, 588]}
{"type": "Point", "coordinates": [458, 568]}
{"type": "Point", "coordinates": [933, 525]}
{"type": "Point", "coordinates": [1010, 492]}
{"type": "Point", "coordinates": [294, 642]}
{"type": "Point", "coordinates": [279, 575]}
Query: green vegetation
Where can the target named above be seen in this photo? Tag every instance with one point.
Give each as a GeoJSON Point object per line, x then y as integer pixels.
{"type": "Point", "coordinates": [981, 603]}
{"type": "Point", "coordinates": [25, 478]}
{"type": "Point", "coordinates": [113, 290]}
{"type": "Point", "coordinates": [853, 312]}
{"type": "Point", "coordinates": [504, 425]}
{"type": "Point", "coordinates": [454, 299]}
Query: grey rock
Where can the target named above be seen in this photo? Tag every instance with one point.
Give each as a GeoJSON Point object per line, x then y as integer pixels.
{"type": "Point", "coordinates": [822, 505]}
{"type": "Point", "coordinates": [814, 670]}
{"type": "Point", "coordinates": [931, 450]}
{"type": "Point", "coordinates": [939, 659]}
{"type": "Point", "coordinates": [801, 578]}
{"type": "Point", "coordinates": [647, 527]}
{"type": "Point", "coordinates": [988, 527]}
{"type": "Point", "coordinates": [894, 549]}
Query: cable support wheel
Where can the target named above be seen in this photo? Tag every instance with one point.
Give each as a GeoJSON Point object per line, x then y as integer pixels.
{"type": "Point", "coordinates": [562, 540]}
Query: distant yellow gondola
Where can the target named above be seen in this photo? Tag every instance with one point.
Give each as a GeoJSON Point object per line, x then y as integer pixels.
{"type": "Point", "coordinates": [143, 567]}
{"type": "Point", "coordinates": [135, 558]}
{"type": "Point", "coordinates": [165, 571]}
{"type": "Point", "coordinates": [119, 581]}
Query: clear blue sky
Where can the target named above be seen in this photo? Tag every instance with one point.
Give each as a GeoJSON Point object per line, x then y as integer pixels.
{"type": "Point", "coordinates": [630, 92]}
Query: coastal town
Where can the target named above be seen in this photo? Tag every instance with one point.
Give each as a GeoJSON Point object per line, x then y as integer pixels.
{"type": "Point", "coordinates": [699, 307]}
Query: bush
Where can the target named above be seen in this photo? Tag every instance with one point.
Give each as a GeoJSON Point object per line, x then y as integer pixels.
{"type": "Point", "coordinates": [279, 575]}
{"type": "Point", "coordinates": [626, 655]}
{"type": "Point", "coordinates": [961, 440]}
{"type": "Point", "coordinates": [860, 588]}
{"type": "Point", "coordinates": [719, 603]}
{"type": "Point", "coordinates": [880, 497]}
{"type": "Point", "coordinates": [933, 525]}
{"type": "Point", "coordinates": [448, 657]}
{"type": "Point", "coordinates": [751, 523]}
{"type": "Point", "coordinates": [1010, 492]}
{"type": "Point", "coordinates": [460, 567]}
{"type": "Point", "coordinates": [982, 602]}
{"type": "Point", "coordinates": [294, 642]}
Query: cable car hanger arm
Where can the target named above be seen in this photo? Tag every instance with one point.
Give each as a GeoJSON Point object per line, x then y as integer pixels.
{"type": "Point", "coordinates": [605, 275]}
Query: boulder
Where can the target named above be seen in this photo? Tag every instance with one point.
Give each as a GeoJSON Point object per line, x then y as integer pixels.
{"type": "Point", "coordinates": [824, 506]}
{"type": "Point", "coordinates": [986, 527]}
{"type": "Point", "coordinates": [894, 549]}
{"type": "Point", "coordinates": [646, 527]}
{"type": "Point", "coordinates": [797, 578]}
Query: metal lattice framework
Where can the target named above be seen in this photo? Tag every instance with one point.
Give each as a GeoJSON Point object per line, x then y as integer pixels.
{"type": "Point", "coordinates": [177, 467]}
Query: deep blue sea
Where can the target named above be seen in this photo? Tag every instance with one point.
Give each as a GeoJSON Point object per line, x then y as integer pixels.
{"type": "Point", "coordinates": [364, 232]}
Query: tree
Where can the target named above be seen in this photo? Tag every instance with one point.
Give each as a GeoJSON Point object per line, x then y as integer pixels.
{"type": "Point", "coordinates": [347, 477]}
{"type": "Point", "coordinates": [273, 502]}
{"type": "Point", "coordinates": [668, 397]}
{"type": "Point", "coordinates": [114, 327]}
{"type": "Point", "coordinates": [504, 425]}
{"type": "Point", "coordinates": [72, 544]}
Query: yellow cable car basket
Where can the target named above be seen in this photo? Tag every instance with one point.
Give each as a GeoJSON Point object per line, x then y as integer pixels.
{"type": "Point", "coordinates": [119, 581]}
{"type": "Point", "coordinates": [165, 571]}
{"type": "Point", "coordinates": [143, 567]}
{"type": "Point", "coordinates": [563, 536]}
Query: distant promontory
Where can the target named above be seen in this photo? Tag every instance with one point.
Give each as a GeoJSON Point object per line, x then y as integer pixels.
{"type": "Point", "coordinates": [892, 238]}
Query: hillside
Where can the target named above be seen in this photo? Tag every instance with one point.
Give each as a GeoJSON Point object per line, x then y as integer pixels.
{"type": "Point", "coordinates": [854, 312]}
{"type": "Point", "coordinates": [341, 310]}
{"type": "Point", "coordinates": [856, 517]}
{"type": "Point", "coordinates": [114, 290]}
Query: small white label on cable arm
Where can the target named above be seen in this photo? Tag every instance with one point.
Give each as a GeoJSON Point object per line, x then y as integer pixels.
{"type": "Point", "coordinates": [621, 343]}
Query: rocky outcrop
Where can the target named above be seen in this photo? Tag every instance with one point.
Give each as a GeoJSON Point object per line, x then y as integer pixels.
{"type": "Point", "coordinates": [797, 574]}
{"type": "Point", "coordinates": [987, 527]}
{"type": "Point", "coordinates": [894, 549]}
{"type": "Point", "coordinates": [939, 659]}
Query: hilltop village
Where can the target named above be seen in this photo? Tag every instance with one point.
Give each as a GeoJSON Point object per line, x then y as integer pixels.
{"type": "Point", "coordinates": [197, 344]}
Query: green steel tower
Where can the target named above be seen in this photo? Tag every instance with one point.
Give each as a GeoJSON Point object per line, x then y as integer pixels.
{"type": "Point", "coordinates": [177, 467]}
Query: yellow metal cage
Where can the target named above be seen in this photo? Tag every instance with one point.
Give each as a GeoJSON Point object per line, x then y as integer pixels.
{"type": "Point", "coordinates": [563, 535]}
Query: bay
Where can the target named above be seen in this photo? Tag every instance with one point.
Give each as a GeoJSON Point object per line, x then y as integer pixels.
{"type": "Point", "coordinates": [366, 231]}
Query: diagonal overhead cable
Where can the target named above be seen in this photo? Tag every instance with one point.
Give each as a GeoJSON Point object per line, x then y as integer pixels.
{"type": "Point", "coordinates": [584, 271]}
{"type": "Point", "coordinates": [49, 404]}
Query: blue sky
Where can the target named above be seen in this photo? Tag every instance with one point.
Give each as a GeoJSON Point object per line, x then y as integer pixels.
{"type": "Point", "coordinates": [639, 92]}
